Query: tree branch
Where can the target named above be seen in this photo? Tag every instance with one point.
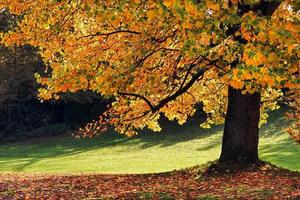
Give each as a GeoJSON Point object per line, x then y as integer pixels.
{"type": "Point", "coordinates": [138, 117]}
{"type": "Point", "coordinates": [139, 96]}
{"type": "Point", "coordinates": [265, 7]}
{"type": "Point", "coordinates": [187, 75]}
{"type": "Point", "coordinates": [111, 33]}
{"type": "Point", "coordinates": [180, 91]}
{"type": "Point", "coordinates": [172, 97]}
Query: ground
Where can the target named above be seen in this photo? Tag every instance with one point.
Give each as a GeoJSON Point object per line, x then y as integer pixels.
{"type": "Point", "coordinates": [263, 183]}
{"type": "Point", "coordinates": [67, 168]}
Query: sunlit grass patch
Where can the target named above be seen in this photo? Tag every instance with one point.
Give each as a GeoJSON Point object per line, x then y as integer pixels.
{"type": "Point", "coordinates": [176, 147]}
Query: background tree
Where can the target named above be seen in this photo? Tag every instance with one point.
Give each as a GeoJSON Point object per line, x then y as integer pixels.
{"type": "Point", "coordinates": [20, 110]}
{"type": "Point", "coordinates": [158, 57]}
{"type": "Point", "coordinates": [22, 114]}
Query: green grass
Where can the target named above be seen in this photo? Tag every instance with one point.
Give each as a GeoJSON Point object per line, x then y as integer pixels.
{"type": "Point", "coordinates": [175, 148]}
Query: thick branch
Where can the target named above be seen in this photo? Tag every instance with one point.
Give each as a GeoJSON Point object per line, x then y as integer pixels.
{"type": "Point", "coordinates": [267, 8]}
{"type": "Point", "coordinates": [179, 92]}
{"type": "Point", "coordinates": [172, 97]}
{"type": "Point", "coordinates": [264, 7]}
{"type": "Point", "coordinates": [187, 74]}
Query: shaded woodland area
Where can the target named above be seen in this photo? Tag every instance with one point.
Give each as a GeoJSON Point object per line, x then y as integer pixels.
{"type": "Point", "coordinates": [22, 114]}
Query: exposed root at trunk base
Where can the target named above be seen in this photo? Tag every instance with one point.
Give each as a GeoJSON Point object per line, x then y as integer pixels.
{"type": "Point", "coordinates": [220, 167]}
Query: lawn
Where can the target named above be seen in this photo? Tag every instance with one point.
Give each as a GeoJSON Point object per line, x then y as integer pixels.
{"type": "Point", "coordinates": [176, 147]}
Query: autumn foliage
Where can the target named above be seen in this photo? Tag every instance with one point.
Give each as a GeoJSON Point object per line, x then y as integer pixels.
{"type": "Point", "coordinates": [166, 56]}
{"type": "Point", "coordinates": [294, 129]}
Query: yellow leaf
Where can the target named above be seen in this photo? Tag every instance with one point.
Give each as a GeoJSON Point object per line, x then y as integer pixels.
{"type": "Point", "coordinates": [212, 5]}
{"type": "Point", "coordinates": [169, 3]}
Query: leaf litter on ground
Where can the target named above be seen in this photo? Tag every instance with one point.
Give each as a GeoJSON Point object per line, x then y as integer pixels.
{"type": "Point", "coordinates": [258, 182]}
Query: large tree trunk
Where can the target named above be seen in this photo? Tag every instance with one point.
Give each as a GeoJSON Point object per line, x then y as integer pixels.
{"type": "Point", "coordinates": [240, 138]}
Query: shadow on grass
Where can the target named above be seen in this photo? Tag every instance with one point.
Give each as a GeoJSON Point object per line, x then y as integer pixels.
{"type": "Point", "coordinates": [276, 123]}
{"type": "Point", "coordinates": [22, 155]}
{"type": "Point", "coordinates": [275, 147]}
{"type": "Point", "coordinates": [284, 153]}
{"type": "Point", "coordinates": [172, 133]}
{"type": "Point", "coordinates": [26, 154]}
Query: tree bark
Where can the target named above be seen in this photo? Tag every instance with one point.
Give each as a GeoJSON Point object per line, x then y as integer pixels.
{"type": "Point", "coordinates": [240, 138]}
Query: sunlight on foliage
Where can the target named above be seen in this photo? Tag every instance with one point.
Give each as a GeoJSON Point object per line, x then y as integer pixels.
{"type": "Point", "coordinates": [158, 57]}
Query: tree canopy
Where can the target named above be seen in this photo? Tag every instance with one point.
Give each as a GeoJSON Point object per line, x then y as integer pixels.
{"type": "Point", "coordinates": [159, 56]}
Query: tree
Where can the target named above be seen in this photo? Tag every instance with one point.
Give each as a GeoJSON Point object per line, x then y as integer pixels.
{"type": "Point", "coordinates": [22, 114]}
{"type": "Point", "coordinates": [158, 57]}
{"type": "Point", "coordinates": [18, 102]}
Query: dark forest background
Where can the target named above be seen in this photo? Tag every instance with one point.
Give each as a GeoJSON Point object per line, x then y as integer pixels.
{"type": "Point", "coordinates": [22, 115]}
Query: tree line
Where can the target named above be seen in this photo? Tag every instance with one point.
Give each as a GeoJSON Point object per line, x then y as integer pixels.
{"type": "Point", "coordinates": [22, 114]}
